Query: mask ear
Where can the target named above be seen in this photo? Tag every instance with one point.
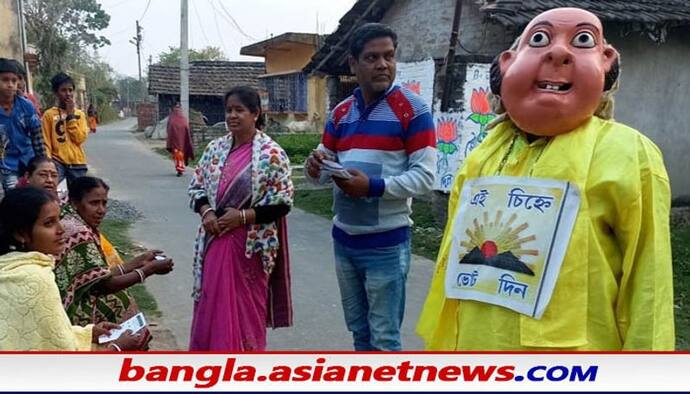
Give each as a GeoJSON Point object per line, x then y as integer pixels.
{"type": "Point", "coordinates": [505, 60]}
{"type": "Point", "coordinates": [611, 65]}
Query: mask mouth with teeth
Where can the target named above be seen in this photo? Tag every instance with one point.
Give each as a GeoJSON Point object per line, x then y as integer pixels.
{"type": "Point", "coordinates": [554, 86]}
{"type": "Point", "coordinates": [554, 78]}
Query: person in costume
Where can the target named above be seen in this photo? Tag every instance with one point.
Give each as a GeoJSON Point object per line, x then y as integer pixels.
{"type": "Point", "coordinates": [558, 227]}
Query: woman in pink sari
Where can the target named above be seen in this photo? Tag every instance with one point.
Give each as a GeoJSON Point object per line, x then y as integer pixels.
{"type": "Point", "coordinates": [242, 191]}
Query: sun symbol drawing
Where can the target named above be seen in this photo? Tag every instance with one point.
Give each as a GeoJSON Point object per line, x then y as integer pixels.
{"type": "Point", "coordinates": [498, 244]}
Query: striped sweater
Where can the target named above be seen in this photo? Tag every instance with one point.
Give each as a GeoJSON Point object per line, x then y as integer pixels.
{"type": "Point", "coordinates": [393, 142]}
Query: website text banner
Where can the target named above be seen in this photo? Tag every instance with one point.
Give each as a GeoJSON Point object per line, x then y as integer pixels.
{"type": "Point", "coordinates": [345, 372]}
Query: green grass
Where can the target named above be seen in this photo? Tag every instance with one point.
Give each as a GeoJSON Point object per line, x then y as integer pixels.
{"type": "Point", "coordinates": [680, 243]}
{"type": "Point", "coordinates": [117, 232]}
{"type": "Point", "coordinates": [297, 146]}
{"type": "Point", "coordinates": [426, 237]}
{"type": "Point", "coordinates": [315, 201]}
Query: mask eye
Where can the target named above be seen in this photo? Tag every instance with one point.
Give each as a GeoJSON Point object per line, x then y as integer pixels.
{"type": "Point", "coordinates": [539, 39]}
{"type": "Point", "coordinates": [584, 39]}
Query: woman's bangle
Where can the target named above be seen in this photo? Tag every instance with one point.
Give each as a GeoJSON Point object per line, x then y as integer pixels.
{"type": "Point", "coordinates": [117, 348]}
{"type": "Point", "coordinates": [243, 215]}
{"type": "Point", "coordinates": [122, 270]}
{"type": "Point", "coordinates": [207, 210]}
{"type": "Point", "coordinates": [142, 277]}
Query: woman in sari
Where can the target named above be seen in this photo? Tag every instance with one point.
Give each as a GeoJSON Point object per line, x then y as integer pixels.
{"type": "Point", "coordinates": [91, 290]}
{"type": "Point", "coordinates": [179, 141]}
{"type": "Point", "coordinates": [30, 306]}
{"type": "Point", "coordinates": [242, 191]}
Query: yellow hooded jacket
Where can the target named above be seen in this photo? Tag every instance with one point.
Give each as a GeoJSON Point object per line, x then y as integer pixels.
{"type": "Point", "coordinates": [64, 135]}
{"type": "Point", "coordinates": [615, 287]}
{"type": "Point", "coordinates": [31, 312]}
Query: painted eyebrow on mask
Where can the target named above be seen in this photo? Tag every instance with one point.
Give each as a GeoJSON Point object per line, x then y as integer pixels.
{"type": "Point", "coordinates": [587, 24]}
{"type": "Point", "coordinates": [545, 23]}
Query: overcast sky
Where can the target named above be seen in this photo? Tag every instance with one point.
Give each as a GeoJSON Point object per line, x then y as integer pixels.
{"type": "Point", "coordinates": [210, 24]}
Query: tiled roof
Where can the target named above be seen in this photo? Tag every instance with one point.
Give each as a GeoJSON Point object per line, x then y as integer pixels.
{"type": "Point", "coordinates": [655, 12]}
{"type": "Point", "coordinates": [206, 78]}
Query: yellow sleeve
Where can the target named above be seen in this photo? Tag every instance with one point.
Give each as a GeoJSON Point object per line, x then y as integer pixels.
{"type": "Point", "coordinates": [47, 128]}
{"type": "Point", "coordinates": [54, 327]}
{"type": "Point", "coordinates": [83, 337]}
{"type": "Point", "coordinates": [78, 129]}
{"type": "Point", "coordinates": [437, 323]}
{"type": "Point", "coordinates": [644, 309]}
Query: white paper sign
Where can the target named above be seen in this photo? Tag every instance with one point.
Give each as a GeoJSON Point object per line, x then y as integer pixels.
{"type": "Point", "coordinates": [510, 236]}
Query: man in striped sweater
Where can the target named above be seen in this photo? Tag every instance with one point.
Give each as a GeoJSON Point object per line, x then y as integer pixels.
{"type": "Point", "coordinates": [384, 136]}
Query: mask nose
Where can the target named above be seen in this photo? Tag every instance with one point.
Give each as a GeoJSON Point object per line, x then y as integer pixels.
{"type": "Point", "coordinates": [559, 55]}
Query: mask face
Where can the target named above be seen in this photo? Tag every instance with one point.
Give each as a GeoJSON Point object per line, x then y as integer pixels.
{"type": "Point", "coordinates": [554, 80]}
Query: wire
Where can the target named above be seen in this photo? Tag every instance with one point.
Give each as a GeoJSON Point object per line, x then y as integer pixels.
{"type": "Point", "coordinates": [145, 9]}
{"type": "Point", "coordinates": [215, 20]}
{"type": "Point", "coordinates": [234, 22]}
{"type": "Point", "coordinates": [198, 19]}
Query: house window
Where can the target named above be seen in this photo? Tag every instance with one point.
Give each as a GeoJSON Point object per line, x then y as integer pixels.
{"type": "Point", "coordinates": [287, 92]}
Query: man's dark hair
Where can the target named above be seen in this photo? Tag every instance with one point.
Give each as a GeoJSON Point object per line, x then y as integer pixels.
{"type": "Point", "coordinates": [368, 32]}
{"type": "Point", "coordinates": [8, 66]}
{"type": "Point", "coordinates": [60, 79]}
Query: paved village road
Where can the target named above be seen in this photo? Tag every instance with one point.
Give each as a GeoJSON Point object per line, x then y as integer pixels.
{"type": "Point", "coordinates": [145, 179]}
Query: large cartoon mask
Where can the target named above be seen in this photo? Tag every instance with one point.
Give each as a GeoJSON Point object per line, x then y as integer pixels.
{"type": "Point", "coordinates": [555, 78]}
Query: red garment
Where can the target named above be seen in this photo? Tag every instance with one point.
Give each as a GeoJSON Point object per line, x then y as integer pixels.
{"type": "Point", "coordinates": [178, 158]}
{"type": "Point", "coordinates": [178, 135]}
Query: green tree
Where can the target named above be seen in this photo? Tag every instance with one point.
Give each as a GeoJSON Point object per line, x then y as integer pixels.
{"type": "Point", "coordinates": [171, 57]}
{"type": "Point", "coordinates": [60, 30]}
{"type": "Point", "coordinates": [131, 91]}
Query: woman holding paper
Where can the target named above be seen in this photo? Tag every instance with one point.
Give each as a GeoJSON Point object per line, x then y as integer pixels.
{"type": "Point", "coordinates": [241, 190]}
{"type": "Point", "coordinates": [91, 290]}
{"type": "Point", "coordinates": [30, 306]}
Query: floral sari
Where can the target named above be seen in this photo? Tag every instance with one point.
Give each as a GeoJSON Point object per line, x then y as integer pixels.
{"type": "Point", "coordinates": [79, 268]}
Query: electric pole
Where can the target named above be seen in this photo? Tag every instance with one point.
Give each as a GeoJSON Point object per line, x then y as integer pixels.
{"type": "Point", "coordinates": [136, 41]}
{"type": "Point", "coordinates": [184, 60]}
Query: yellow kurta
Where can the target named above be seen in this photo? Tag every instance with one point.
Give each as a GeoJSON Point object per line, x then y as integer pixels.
{"type": "Point", "coordinates": [615, 287]}
{"type": "Point", "coordinates": [31, 312]}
